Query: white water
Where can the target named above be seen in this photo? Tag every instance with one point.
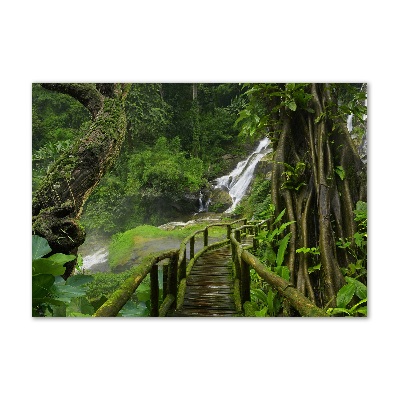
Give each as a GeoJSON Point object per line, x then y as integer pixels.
{"type": "Point", "coordinates": [99, 257]}
{"type": "Point", "coordinates": [238, 181]}
{"type": "Point", "coordinates": [203, 205]}
{"type": "Point", "coordinates": [350, 122]}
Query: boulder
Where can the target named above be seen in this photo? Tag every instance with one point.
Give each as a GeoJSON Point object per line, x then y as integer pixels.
{"type": "Point", "coordinates": [220, 200]}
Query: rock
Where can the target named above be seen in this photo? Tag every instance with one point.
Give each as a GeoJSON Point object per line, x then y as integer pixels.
{"type": "Point", "coordinates": [264, 166]}
{"type": "Point", "coordinates": [220, 201]}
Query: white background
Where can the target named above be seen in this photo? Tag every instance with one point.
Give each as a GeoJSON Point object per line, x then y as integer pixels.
{"type": "Point", "coordinates": [207, 41]}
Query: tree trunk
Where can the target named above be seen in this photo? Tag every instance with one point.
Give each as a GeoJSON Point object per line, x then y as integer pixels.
{"type": "Point", "coordinates": [323, 207]}
{"type": "Point", "coordinates": [58, 203]}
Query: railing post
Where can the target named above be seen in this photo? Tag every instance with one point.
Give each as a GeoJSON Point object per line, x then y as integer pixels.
{"type": "Point", "coordinates": [245, 281]}
{"type": "Point", "coordinates": [237, 235]}
{"type": "Point", "coordinates": [154, 292]}
{"type": "Point", "coordinates": [205, 237]}
{"type": "Point", "coordinates": [192, 247]}
{"type": "Point", "coordinates": [173, 275]}
{"type": "Point", "coordinates": [228, 231]}
{"type": "Point", "coordinates": [182, 269]}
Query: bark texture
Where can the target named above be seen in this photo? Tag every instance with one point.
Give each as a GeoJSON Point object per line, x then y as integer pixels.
{"type": "Point", "coordinates": [58, 203]}
{"type": "Point", "coordinates": [323, 206]}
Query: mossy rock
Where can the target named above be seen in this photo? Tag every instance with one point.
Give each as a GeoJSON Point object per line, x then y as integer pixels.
{"type": "Point", "coordinates": [220, 201]}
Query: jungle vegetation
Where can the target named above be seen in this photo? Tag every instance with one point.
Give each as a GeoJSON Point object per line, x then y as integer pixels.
{"type": "Point", "coordinates": [114, 157]}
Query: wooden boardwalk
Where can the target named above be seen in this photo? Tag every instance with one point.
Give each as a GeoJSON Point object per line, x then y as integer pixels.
{"type": "Point", "coordinates": [209, 287]}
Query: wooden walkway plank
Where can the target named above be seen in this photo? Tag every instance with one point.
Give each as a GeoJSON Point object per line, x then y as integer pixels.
{"type": "Point", "coordinates": [209, 287]}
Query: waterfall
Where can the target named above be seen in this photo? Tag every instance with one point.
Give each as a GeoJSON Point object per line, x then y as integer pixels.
{"type": "Point", "coordinates": [203, 204]}
{"type": "Point", "coordinates": [350, 122]}
{"type": "Point", "coordinates": [238, 181]}
{"type": "Point", "coordinates": [95, 259]}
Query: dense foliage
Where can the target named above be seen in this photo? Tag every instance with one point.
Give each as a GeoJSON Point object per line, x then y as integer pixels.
{"type": "Point", "coordinates": [166, 142]}
{"type": "Point", "coordinates": [318, 177]}
{"type": "Point", "coordinates": [173, 146]}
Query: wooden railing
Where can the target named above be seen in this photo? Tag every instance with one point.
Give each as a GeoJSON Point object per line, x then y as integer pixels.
{"type": "Point", "coordinates": [180, 265]}
{"type": "Point", "coordinates": [185, 267]}
{"type": "Point", "coordinates": [174, 274]}
{"type": "Point", "coordinates": [149, 265]}
{"type": "Point", "coordinates": [243, 260]}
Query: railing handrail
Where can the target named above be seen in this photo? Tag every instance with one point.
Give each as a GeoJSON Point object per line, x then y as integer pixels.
{"type": "Point", "coordinates": [121, 296]}
{"type": "Point", "coordinates": [243, 259]}
{"type": "Point", "coordinates": [175, 279]}
{"type": "Point", "coordinates": [178, 259]}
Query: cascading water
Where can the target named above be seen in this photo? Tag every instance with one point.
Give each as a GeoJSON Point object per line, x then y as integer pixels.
{"type": "Point", "coordinates": [350, 122]}
{"type": "Point", "coordinates": [238, 181]}
{"type": "Point", "coordinates": [203, 204]}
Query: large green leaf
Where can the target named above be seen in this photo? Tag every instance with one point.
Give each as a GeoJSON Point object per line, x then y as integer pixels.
{"type": "Point", "coordinates": [345, 294]}
{"type": "Point", "coordinates": [285, 273]}
{"type": "Point", "coordinates": [279, 217]}
{"type": "Point", "coordinates": [40, 247]}
{"type": "Point", "coordinates": [282, 248]}
{"type": "Point", "coordinates": [46, 266]}
{"type": "Point", "coordinates": [61, 259]}
{"type": "Point", "coordinates": [283, 226]}
{"type": "Point", "coordinates": [260, 295]}
{"type": "Point", "coordinates": [361, 289]}
{"type": "Point", "coordinates": [66, 293]}
{"type": "Point", "coordinates": [41, 285]}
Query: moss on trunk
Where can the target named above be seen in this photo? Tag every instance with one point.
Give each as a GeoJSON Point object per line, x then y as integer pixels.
{"type": "Point", "coordinates": [58, 203]}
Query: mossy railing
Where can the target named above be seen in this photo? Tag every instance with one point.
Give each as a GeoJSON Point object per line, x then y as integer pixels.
{"type": "Point", "coordinates": [149, 265]}
{"type": "Point", "coordinates": [174, 275]}
{"type": "Point", "coordinates": [179, 267]}
{"type": "Point", "coordinates": [185, 264]}
{"type": "Point", "coordinates": [244, 260]}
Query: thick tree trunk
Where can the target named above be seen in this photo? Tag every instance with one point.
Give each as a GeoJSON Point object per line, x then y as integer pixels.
{"type": "Point", "coordinates": [58, 203]}
{"type": "Point", "coordinates": [323, 207]}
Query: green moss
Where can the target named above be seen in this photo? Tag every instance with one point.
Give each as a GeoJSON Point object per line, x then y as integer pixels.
{"type": "Point", "coordinates": [248, 309]}
{"type": "Point", "coordinates": [181, 294]}
{"type": "Point", "coordinates": [236, 295]}
{"type": "Point", "coordinates": [122, 246]}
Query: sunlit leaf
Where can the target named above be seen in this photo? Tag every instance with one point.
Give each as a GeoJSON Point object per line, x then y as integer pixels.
{"type": "Point", "coordinates": [340, 171]}
{"type": "Point", "coordinates": [345, 294]}
{"type": "Point", "coordinates": [361, 289]}
{"type": "Point", "coordinates": [61, 259]}
{"type": "Point", "coordinates": [261, 313]}
{"type": "Point", "coordinates": [46, 266]}
{"type": "Point", "coordinates": [282, 249]}
{"type": "Point", "coordinates": [292, 105]}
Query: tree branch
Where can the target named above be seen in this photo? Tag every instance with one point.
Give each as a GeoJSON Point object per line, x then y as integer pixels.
{"type": "Point", "coordinates": [85, 93]}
